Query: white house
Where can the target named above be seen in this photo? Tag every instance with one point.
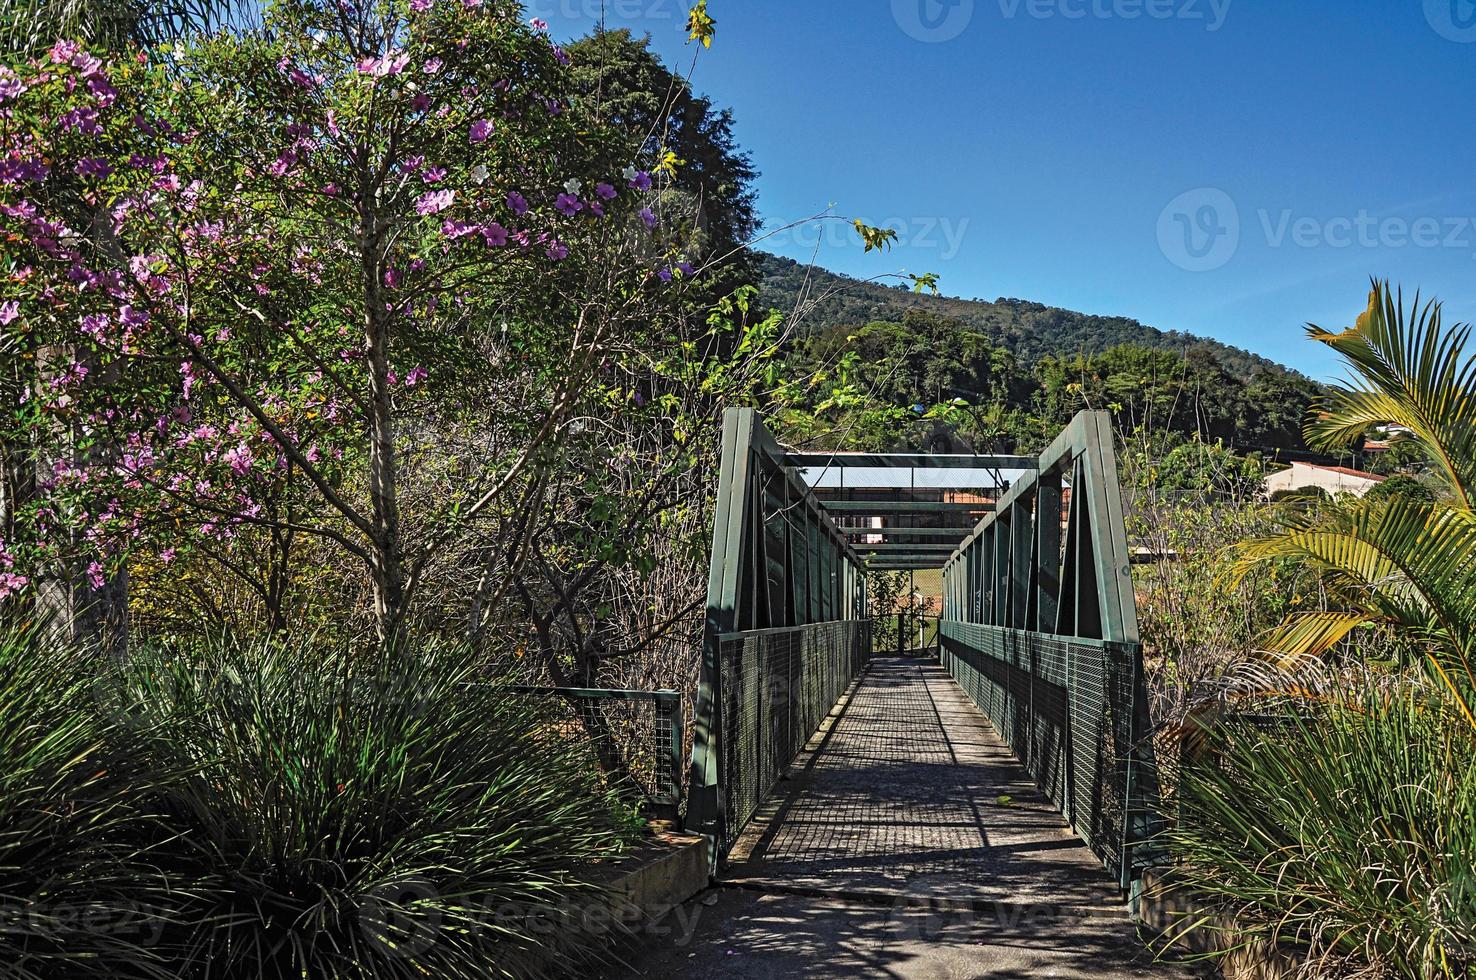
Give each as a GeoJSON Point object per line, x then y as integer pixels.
{"type": "Point", "coordinates": [1333, 479]}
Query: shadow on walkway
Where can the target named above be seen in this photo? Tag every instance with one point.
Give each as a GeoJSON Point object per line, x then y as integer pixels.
{"type": "Point", "coordinates": [908, 842]}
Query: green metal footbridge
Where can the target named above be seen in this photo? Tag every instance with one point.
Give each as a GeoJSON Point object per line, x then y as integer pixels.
{"type": "Point", "coordinates": [1038, 625]}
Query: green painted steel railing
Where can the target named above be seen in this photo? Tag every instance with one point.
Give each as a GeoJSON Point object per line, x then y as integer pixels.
{"type": "Point", "coordinates": [638, 738]}
{"type": "Point", "coordinates": [778, 686]}
{"type": "Point", "coordinates": [1069, 709]}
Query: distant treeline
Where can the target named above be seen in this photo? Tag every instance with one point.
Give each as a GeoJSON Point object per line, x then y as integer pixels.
{"type": "Point", "coordinates": [926, 380]}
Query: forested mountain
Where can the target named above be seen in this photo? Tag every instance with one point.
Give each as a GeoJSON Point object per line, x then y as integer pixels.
{"type": "Point", "coordinates": [880, 369]}
{"type": "Point", "coordinates": [1030, 331]}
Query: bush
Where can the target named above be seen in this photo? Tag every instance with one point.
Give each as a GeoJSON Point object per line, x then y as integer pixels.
{"type": "Point", "coordinates": [1299, 494]}
{"type": "Point", "coordinates": [283, 812]}
{"type": "Point", "coordinates": [342, 820]}
{"type": "Point", "coordinates": [1349, 835]}
{"type": "Point", "coordinates": [75, 896]}
{"type": "Point", "coordinates": [1406, 487]}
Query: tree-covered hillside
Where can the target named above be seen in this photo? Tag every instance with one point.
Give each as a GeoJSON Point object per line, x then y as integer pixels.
{"type": "Point", "coordinates": [934, 382]}
{"type": "Point", "coordinates": [1029, 331]}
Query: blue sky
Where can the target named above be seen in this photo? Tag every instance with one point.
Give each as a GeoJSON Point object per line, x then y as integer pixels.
{"type": "Point", "coordinates": [1233, 168]}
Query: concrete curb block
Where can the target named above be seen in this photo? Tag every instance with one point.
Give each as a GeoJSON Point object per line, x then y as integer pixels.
{"type": "Point", "coordinates": [674, 869]}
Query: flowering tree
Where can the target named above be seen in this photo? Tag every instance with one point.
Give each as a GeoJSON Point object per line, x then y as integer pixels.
{"type": "Point", "coordinates": [256, 286]}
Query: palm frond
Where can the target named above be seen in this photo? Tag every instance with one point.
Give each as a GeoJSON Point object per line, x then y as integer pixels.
{"type": "Point", "coordinates": [1410, 371]}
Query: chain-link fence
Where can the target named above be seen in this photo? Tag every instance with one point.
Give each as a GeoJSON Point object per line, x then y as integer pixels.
{"type": "Point", "coordinates": [778, 685]}
{"type": "Point", "coordinates": [1069, 709]}
{"type": "Point", "coordinates": [636, 737]}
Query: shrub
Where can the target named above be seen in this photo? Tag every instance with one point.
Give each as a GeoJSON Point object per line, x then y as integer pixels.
{"type": "Point", "coordinates": [337, 819]}
{"type": "Point", "coordinates": [1401, 486]}
{"type": "Point", "coordinates": [74, 895]}
{"type": "Point", "coordinates": [1348, 833]}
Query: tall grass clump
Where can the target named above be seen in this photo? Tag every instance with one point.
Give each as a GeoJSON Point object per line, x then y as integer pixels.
{"type": "Point", "coordinates": [336, 818]}
{"type": "Point", "coordinates": [76, 895]}
{"type": "Point", "coordinates": [1345, 835]}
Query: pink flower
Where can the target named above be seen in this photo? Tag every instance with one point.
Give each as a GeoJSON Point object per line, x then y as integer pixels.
{"type": "Point", "coordinates": [166, 556]}
{"type": "Point", "coordinates": [418, 5]}
{"type": "Point", "coordinates": [431, 66]}
{"type": "Point", "coordinates": [538, 24]}
{"type": "Point", "coordinates": [9, 310]}
{"type": "Point", "coordinates": [95, 575]}
{"type": "Point", "coordinates": [456, 229]}
{"type": "Point", "coordinates": [434, 201]}
{"type": "Point", "coordinates": [480, 130]}
{"type": "Point", "coordinates": [93, 167]}
{"type": "Point", "coordinates": [62, 51]}
{"type": "Point", "coordinates": [433, 175]}
{"type": "Point", "coordinates": [392, 63]}
{"type": "Point", "coordinates": [494, 235]}
{"type": "Point", "coordinates": [416, 375]}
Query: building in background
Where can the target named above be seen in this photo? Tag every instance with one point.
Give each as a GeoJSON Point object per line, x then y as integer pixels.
{"type": "Point", "coordinates": [1333, 479]}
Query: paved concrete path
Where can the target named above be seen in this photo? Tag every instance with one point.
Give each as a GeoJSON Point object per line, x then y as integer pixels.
{"type": "Point", "coordinates": [907, 843]}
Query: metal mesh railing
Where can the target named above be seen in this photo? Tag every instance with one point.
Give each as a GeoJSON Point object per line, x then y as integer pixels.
{"type": "Point", "coordinates": [1068, 707]}
{"type": "Point", "coordinates": [778, 685]}
{"type": "Point", "coordinates": [636, 737]}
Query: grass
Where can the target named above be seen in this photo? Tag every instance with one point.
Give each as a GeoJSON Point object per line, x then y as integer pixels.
{"type": "Point", "coordinates": [288, 811]}
{"type": "Point", "coordinates": [1347, 835]}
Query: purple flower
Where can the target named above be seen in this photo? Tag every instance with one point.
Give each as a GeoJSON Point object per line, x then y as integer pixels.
{"type": "Point", "coordinates": [649, 217]}
{"type": "Point", "coordinates": [561, 56]}
{"type": "Point", "coordinates": [685, 268]}
{"type": "Point", "coordinates": [557, 250]}
{"type": "Point", "coordinates": [606, 191]}
{"type": "Point", "coordinates": [431, 66]}
{"type": "Point", "coordinates": [597, 209]}
{"type": "Point", "coordinates": [9, 310]}
{"type": "Point", "coordinates": [494, 235]}
{"type": "Point", "coordinates": [434, 201]}
{"type": "Point", "coordinates": [456, 229]}
{"type": "Point", "coordinates": [421, 4]}
{"type": "Point", "coordinates": [93, 167]}
{"type": "Point", "coordinates": [568, 205]}
{"type": "Point", "coordinates": [664, 275]}
{"type": "Point", "coordinates": [62, 51]}
{"type": "Point", "coordinates": [641, 181]}
{"type": "Point", "coordinates": [517, 202]}
{"type": "Point", "coordinates": [433, 175]}
{"type": "Point", "coordinates": [538, 24]}
{"type": "Point", "coordinates": [10, 85]}
{"type": "Point", "coordinates": [415, 376]}
{"type": "Point", "coordinates": [480, 130]}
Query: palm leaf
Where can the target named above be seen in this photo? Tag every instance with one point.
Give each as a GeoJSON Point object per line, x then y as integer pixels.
{"type": "Point", "coordinates": [1409, 371]}
{"type": "Point", "coordinates": [1404, 562]}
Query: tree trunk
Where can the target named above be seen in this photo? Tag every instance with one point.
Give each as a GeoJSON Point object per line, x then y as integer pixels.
{"type": "Point", "coordinates": [387, 555]}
